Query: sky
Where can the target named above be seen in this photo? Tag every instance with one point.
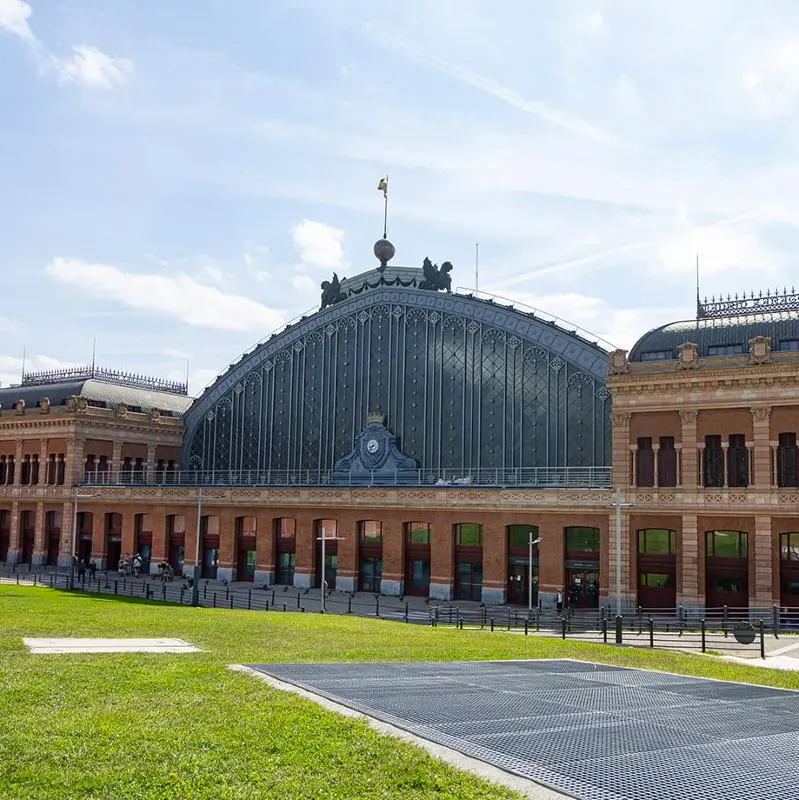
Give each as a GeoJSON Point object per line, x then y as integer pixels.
{"type": "Point", "coordinates": [175, 185]}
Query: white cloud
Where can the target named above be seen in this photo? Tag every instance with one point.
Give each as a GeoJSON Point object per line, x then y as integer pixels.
{"type": "Point", "coordinates": [319, 245]}
{"type": "Point", "coordinates": [620, 327]}
{"type": "Point", "coordinates": [14, 17]}
{"type": "Point", "coordinates": [11, 366]}
{"type": "Point", "coordinates": [304, 284]}
{"type": "Point", "coordinates": [179, 296]}
{"type": "Point", "coordinates": [91, 67]}
{"type": "Point", "coordinates": [721, 249]}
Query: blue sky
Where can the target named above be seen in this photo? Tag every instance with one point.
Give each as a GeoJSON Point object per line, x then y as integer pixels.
{"type": "Point", "coordinates": [178, 184]}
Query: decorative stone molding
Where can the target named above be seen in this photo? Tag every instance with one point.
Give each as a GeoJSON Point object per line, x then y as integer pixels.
{"type": "Point", "coordinates": [19, 407]}
{"type": "Point", "coordinates": [44, 405]}
{"type": "Point", "coordinates": [622, 418]}
{"type": "Point", "coordinates": [77, 404]}
{"type": "Point", "coordinates": [688, 356]}
{"type": "Point", "coordinates": [761, 413]}
{"type": "Point", "coordinates": [760, 350]}
{"type": "Point", "coordinates": [618, 363]}
{"type": "Point", "coordinates": [121, 411]}
{"type": "Point", "coordinates": [688, 417]}
{"type": "Point", "coordinates": [154, 415]}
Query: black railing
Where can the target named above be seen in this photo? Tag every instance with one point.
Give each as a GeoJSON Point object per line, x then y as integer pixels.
{"type": "Point", "coordinates": [743, 632]}
{"type": "Point", "coordinates": [529, 477]}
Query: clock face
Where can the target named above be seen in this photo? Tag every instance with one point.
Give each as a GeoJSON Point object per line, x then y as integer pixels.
{"type": "Point", "coordinates": [372, 446]}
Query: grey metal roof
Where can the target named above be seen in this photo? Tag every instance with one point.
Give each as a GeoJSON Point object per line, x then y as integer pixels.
{"type": "Point", "coordinates": [97, 392]}
{"type": "Point", "coordinates": [780, 326]}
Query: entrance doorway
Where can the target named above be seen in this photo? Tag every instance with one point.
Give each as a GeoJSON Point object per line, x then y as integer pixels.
{"type": "Point", "coordinates": [370, 555]}
{"type": "Point", "coordinates": [789, 570]}
{"type": "Point", "coordinates": [245, 559]}
{"type": "Point", "coordinates": [657, 568]}
{"type": "Point", "coordinates": [726, 569]}
{"type": "Point", "coordinates": [26, 526]}
{"type": "Point", "coordinates": [52, 527]}
{"type": "Point", "coordinates": [285, 544]}
{"type": "Point", "coordinates": [326, 528]}
{"type": "Point", "coordinates": [582, 588]}
{"type": "Point", "coordinates": [469, 561]}
{"type": "Point", "coordinates": [417, 558]}
{"type": "Point", "coordinates": [520, 538]}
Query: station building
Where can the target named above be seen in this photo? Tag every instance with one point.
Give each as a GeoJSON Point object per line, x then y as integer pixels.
{"type": "Point", "coordinates": [443, 445]}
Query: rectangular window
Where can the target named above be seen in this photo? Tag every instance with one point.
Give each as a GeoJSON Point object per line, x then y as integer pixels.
{"type": "Point", "coordinates": [713, 463]}
{"type": "Point", "coordinates": [725, 350]}
{"type": "Point", "coordinates": [582, 540]}
{"type": "Point", "coordinates": [667, 462]}
{"type": "Point", "coordinates": [645, 462]}
{"type": "Point", "coordinates": [737, 461]}
{"type": "Point", "coordinates": [789, 546]}
{"type": "Point", "coordinates": [519, 537]}
{"type": "Point", "coordinates": [655, 580]}
{"type": "Point", "coordinates": [468, 534]}
{"type": "Point", "coordinates": [417, 533]}
{"type": "Point", "coordinates": [657, 542]}
{"type": "Point", "coordinates": [371, 531]}
{"type": "Point", "coordinates": [726, 544]}
{"type": "Point", "coordinates": [787, 461]}
{"type": "Point", "coordinates": [284, 528]}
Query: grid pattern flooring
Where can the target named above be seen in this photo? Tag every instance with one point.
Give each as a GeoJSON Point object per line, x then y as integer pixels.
{"type": "Point", "coordinates": [589, 730]}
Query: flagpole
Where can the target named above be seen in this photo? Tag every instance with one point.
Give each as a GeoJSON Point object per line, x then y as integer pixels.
{"type": "Point", "coordinates": [385, 211]}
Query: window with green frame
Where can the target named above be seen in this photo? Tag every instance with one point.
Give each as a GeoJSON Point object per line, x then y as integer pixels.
{"type": "Point", "coordinates": [468, 534]}
{"type": "Point", "coordinates": [519, 536]}
{"type": "Point", "coordinates": [581, 539]}
{"type": "Point", "coordinates": [789, 546]}
{"type": "Point", "coordinates": [726, 544]}
{"type": "Point", "coordinates": [371, 530]}
{"type": "Point", "coordinates": [657, 542]}
{"type": "Point", "coordinates": [417, 533]}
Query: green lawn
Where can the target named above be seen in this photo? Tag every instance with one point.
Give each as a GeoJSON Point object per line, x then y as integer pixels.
{"type": "Point", "coordinates": [153, 727]}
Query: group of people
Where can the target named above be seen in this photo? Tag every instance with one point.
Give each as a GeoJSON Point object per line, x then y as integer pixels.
{"type": "Point", "coordinates": [130, 565]}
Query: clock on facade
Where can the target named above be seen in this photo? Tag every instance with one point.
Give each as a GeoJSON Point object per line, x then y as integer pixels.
{"type": "Point", "coordinates": [372, 446]}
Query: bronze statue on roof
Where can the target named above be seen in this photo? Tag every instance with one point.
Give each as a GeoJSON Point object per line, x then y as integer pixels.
{"type": "Point", "coordinates": [436, 279]}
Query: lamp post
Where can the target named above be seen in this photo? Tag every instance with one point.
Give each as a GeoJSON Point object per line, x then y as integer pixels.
{"type": "Point", "coordinates": [74, 547]}
{"type": "Point", "coordinates": [618, 505]}
{"type": "Point", "coordinates": [195, 586]}
{"type": "Point", "coordinates": [530, 570]}
{"type": "Point", "coordinates": [322, 581]}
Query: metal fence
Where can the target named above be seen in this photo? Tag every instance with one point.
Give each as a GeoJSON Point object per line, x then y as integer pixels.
{"type": "Point", "coordinates": [745, 632]}
{"type": "Point", "coordinates": [533, 477]}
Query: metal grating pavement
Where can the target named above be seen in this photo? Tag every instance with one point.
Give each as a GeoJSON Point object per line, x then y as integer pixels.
{"type": "Point", "coordinates": [591, 731]}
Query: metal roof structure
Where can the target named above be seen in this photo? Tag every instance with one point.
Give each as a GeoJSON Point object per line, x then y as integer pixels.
{"type": "Point", "coordinates": [101, 388]}
{"type": "Point", "coordinates": [725, 326]}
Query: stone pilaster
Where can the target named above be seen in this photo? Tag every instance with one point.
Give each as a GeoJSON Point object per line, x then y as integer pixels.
{"type": "Point", "coordinates": [495, 561]}
{"type": "Point", "coordinates": [690, 465]}
{"type": "Point", "coordinates": [43, 465]}
{"type": "Point", "coordinates": [760, 573]}
{"type": "Point", "coordinates": [762, 460]}
{"type": "Point", "coordinates": [442, 559]}
{"type": "Point", "coordinates": [264, 548]}
{"type": "Point", "coordinates": [39, 544]}
{"type": "Point", "coordinates": [74, 462]}
{"type": "Point", "coordinates": [116, 461]}
{"type": "Point", "coordinates": [393, 582]}
{"type": "Point", "coordinates": [622, 554]}
{"type": "Point", "coordinates": [15, 537]}
{"type": "Point", "coordinates": [228, 546]}
{"type": "Point", "coordinates": [621, 450]}
{"type": "Point", "coordinates": [150, 474]}
{"type": "Point", "coordinates": [18, 463]}
{"type": "Point", "coordinates": [65, 545]}
{"type": "Point", "coordinates": [690, 593]}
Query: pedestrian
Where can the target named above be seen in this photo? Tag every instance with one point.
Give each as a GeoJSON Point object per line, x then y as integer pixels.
{"type": "Point", "coordinates": [559, 600]}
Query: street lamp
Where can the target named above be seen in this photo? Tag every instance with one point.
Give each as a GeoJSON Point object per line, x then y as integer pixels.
{"type": "Point", "coordinates": [195, 586]}
{"type": "Point", "coordinates": [530, 570]}
{"type": "Point", "coordinates": [73, 553]}
{"type": "Point", "coordinates": [618, 506]}
{"type": "Point", "coordinates": [322, 581]}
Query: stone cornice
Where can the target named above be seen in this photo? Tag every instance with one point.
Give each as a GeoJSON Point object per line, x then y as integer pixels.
{"type": "Point", "coordinates": [692, 380]}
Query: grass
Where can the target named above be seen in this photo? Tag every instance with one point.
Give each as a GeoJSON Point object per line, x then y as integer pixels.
{"type": "Point", "coordinates": [158, 727]}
